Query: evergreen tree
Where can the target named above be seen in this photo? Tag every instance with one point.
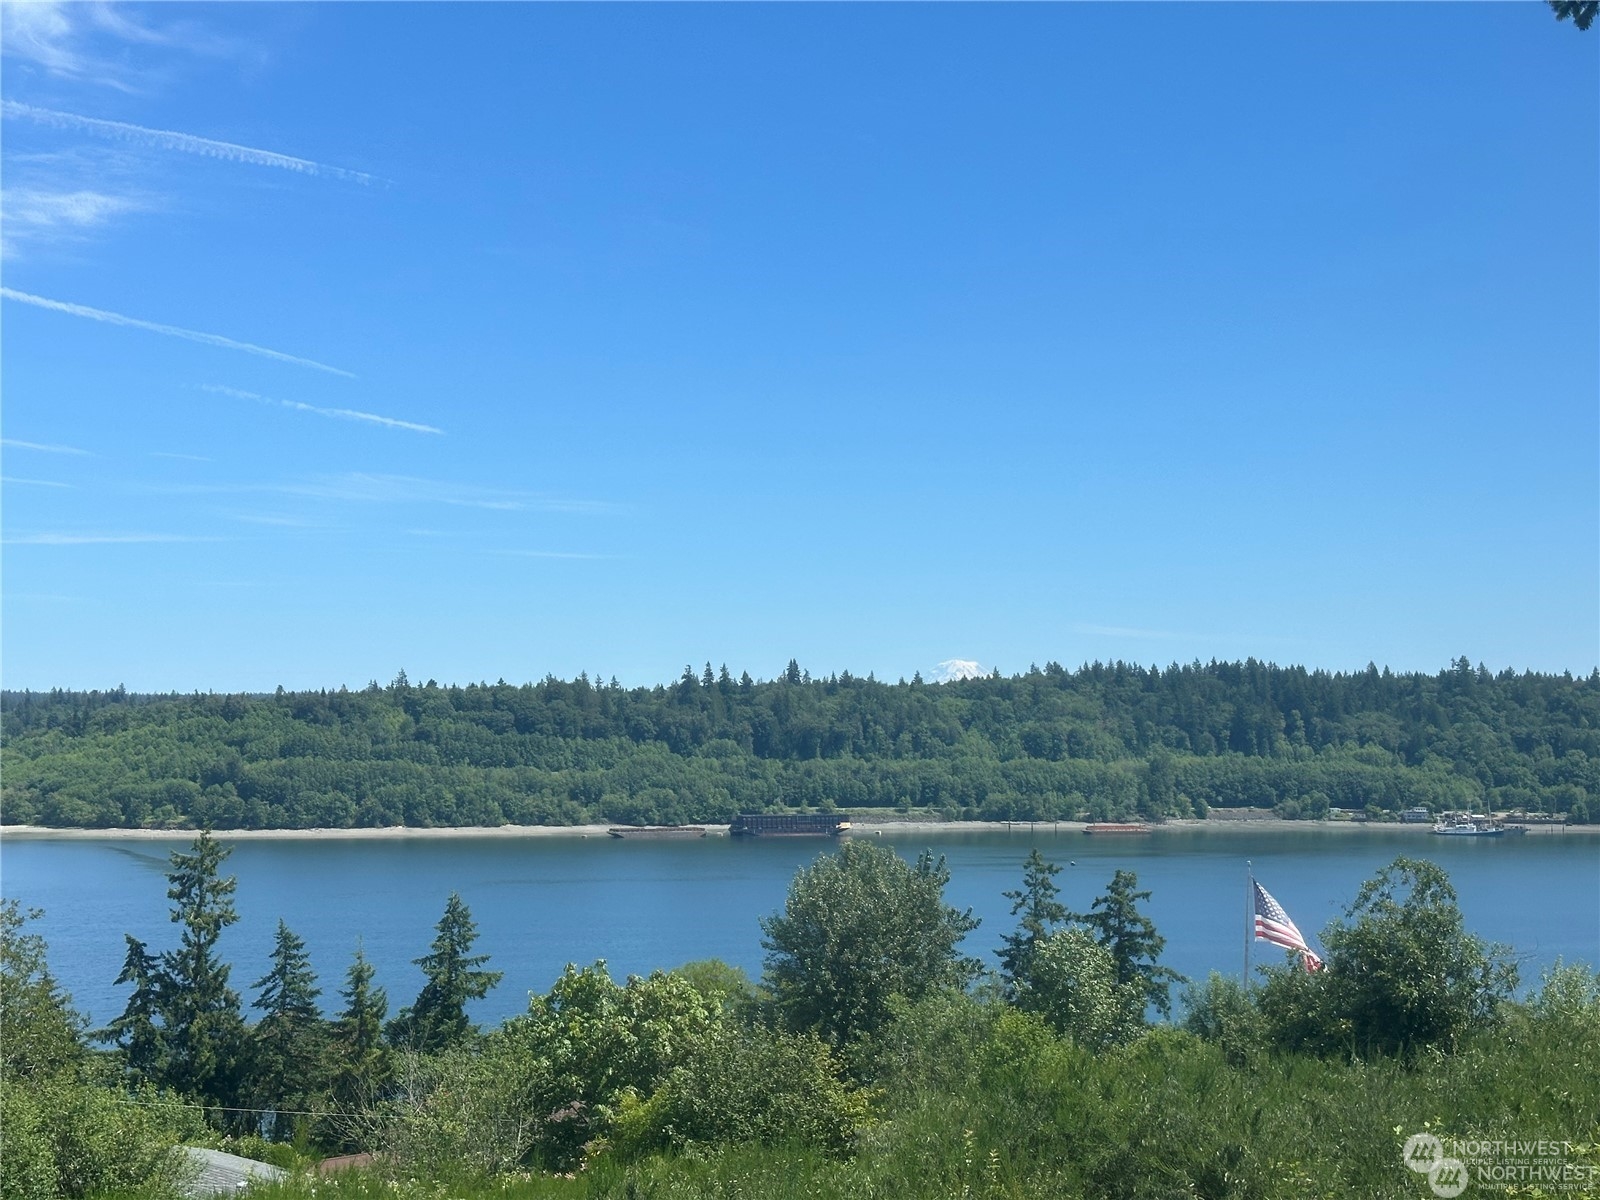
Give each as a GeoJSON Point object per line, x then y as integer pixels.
{"type": "Point", "coordinates": [287, 1042]}
{"type": "Point", "coordinates": [1040, 913]}
{"type": "Point", "coordinates": [438, 1016]}
{"type": "Point", "coordinates": [205, 1030]}
{"type": "Point", "coordinates": [360, 1061]}
{"type": "Point", "coordinates": [1131, 937]}
{"type": "Point", "coordinates": [138, 1032]}
{"type": "Point", "coordinates": [1580, 12]}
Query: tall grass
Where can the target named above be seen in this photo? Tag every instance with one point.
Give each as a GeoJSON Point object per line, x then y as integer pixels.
{"type": "Point", "coordinates": [980, 1106]}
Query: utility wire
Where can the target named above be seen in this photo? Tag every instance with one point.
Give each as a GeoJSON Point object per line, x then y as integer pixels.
{"type": "Point", "coordinates": [285, 1112]}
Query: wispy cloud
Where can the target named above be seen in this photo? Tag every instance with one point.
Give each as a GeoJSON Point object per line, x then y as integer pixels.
{"type": "Point", "coordinates": [45, 33]}
{"type": "Point", "coordinates": [31, 206]}
{"type": "Point", "coordinates": [554, 554]}
{"type": "Point", "coordinates": [182, 143]}
{"type": "Point", "coordinates": [273, 519]}
{"type": "Point", "coordinates": [51, 483]}
{"type": "Point", "coordinates": [207, 339]}
{"type": "Point", "coordinates": [363, 487]}
{"type": "Point", "coordinates": [345, 414]}
{"type": "Point", "coordinates": [1254, 638]}
{"type": "Point", "coordinates": [66, 196]}
{"type": "Point", "coordinates": [181, 457]}
{"type": "Point", "coordinates": [39, 214]}
{"type": "Point", "coordinates": [406, 489]}
{"type": "Point", "coordinates": [1122, 631]}
{"type": "Point", "coordinates": [100, 539]}
{"type": "Point", "coordinates": [98, 42]}
{"type": "Point", "coordinates": [41, 446]}
{"type": "Point", "coordinates": [113, 19]}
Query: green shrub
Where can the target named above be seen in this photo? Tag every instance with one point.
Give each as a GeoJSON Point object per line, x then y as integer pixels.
{"type": "Point", "coordinates": [61, 1137]}
{"type": "Point", "coordinates": [745, 1085]}
{"type": "Point", "coordinates": [1402, 971]}
{"type": "Point", "coordinates": [544, 1084]}
{"type": "Point", "coordinates": [1221, 1010]}
{"type": "Point", "coordinates": [1072, 984]}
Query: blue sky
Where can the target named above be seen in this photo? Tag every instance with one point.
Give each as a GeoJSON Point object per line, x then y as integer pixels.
{"type": "Point", "coordinates": [539, 339]}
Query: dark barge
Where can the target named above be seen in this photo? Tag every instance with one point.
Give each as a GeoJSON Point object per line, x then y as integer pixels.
{"type": "Point", "coordinates": [788, 825]}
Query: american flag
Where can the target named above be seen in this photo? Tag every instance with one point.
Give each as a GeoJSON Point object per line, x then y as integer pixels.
{"type": "Point", "coordinates": [1273, 925]}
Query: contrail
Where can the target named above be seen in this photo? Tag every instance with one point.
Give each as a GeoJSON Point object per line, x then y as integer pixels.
{"type": "Point", "coordinates": [41, 446]}
{"type": "Point", "coordinates": [185, 143]}
{"type": "Point", "coordinates": [100, 539]}
{"type": "Point", "coordinates": [208, 339]}
{"type": "Point", "coordinates": [348, 414]}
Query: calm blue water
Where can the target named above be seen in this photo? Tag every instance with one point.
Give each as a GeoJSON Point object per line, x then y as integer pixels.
{"type": "Point", "coordinates": [542, 902]}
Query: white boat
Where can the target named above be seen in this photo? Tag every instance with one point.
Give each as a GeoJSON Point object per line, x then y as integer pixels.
{"type": "Point", "coordinates": [1468, 829]}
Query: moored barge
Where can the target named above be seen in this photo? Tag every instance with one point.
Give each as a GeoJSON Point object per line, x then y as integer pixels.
{"type": "Point", "coordinates": [788, 825]}
{"type": "Point", "coordinates": [1117, 827]}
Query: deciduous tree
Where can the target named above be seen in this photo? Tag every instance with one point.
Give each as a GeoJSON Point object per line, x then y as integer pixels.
{"type": "Point", "coordinates": [1402, 971]}
{"type": "Point", "coordinates": [1072, 983]}
{"type": "Point", "coordinates": [38, 1027]}
{"type": "Point", "coordinates": [860, 927]}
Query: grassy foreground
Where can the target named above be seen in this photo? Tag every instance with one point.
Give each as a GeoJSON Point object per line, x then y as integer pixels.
{"type": "Point", "coordinates": [974, 1101]}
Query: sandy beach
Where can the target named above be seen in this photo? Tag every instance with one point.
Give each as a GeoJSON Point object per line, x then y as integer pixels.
{"type": "Point", "coordinates": [386, 833]}
{"type": "Point", "coordinates": [857, 829]}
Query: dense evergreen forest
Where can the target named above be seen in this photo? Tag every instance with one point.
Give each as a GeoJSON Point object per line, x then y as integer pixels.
{"type": "Point", "coordinates": [1103, 741]}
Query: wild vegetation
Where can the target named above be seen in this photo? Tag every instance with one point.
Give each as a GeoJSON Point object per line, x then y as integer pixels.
{"type": "Point", "coordinates": [873, 1060]}
{"type": "Point", "coordinates": [1104, 741]}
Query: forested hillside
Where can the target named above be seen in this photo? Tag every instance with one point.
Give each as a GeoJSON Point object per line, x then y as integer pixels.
{"type": "Point", "coordinates": [1104, 740]}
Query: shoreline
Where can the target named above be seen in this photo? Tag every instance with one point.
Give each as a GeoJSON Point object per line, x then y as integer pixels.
{"type": "Point", "coordinates": [857, 829]}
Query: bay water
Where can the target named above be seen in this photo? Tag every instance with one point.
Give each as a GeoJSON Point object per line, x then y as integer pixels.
{"type": "Point", "coordinates": [542, 902]}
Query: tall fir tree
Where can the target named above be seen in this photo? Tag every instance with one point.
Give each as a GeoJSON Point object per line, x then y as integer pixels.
{"type": "Point", "coordinates": [287, 1043]}
{"type": "Point", "coordinates": [438, 1016]}
{"type": "Point", "coordinates": [1040, 913]}
{"type": "Point", "coordinates": [360, 1061]}
{"type": "Point", "coordinates": [139, 1032]}
{"type": "Point", "coordinates": [1131, 937]}
{"type": "Point", "coordinates": [205, 1030]}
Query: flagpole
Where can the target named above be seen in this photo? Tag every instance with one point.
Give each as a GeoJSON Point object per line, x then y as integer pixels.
{"type": "Point", "coordinates": [1249, 917]}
